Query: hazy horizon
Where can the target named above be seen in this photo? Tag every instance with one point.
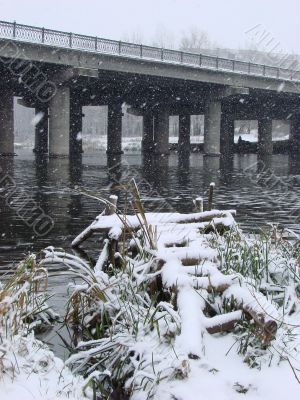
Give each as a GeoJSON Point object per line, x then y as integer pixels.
{"type": "Point", "coordinates": [226, 24]}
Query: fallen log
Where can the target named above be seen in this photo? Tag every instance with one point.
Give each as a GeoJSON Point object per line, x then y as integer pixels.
{"type": "Point", "coordinates": [214, 284]}
{"type": "Point", "coordinates": [109, 220]}
{"type": "Point", "coordinates": [223, 322]}
{"type": "Point", "coordinates": [257, 306]}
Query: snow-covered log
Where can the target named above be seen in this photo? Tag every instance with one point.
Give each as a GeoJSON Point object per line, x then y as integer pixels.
{"type": "Point", "coordinates": [114, 224]}
{"type": "Point", "coordinates": [258, 307]}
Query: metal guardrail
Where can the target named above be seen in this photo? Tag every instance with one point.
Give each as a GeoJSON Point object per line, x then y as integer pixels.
{"type": "Point", "coordinates": [27, 33]}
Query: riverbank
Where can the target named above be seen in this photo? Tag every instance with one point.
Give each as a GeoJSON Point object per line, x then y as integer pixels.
{"type": "Point", "coordinates": [176, 302]}
{"type": "Point", "coordinates": [28, 368]}
{"type": "Point", "coordinates": [193, 304]}
{"type": "Point", "coordinates": [247, 144]}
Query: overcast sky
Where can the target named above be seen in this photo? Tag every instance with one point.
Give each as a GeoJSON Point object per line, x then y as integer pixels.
{"type": "Point", "coordinates": [226, 21]}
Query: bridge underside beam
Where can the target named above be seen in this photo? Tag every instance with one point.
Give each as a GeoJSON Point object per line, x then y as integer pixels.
{"type": "Point", "coordinates": [6, 122]}
{"type": "Point", "coordinates": [59, 123]}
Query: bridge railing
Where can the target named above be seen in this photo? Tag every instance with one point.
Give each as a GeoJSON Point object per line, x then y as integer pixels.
{"type": "Point", "coordinates": [27, 33]}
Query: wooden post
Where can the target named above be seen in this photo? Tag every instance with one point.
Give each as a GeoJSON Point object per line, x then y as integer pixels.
{"type": "Point", "coordinates": [210, 196]}
{"type": "Point", "coordinates": [198, 203]}
{"type": "Point", "coordinates": [111, 206]}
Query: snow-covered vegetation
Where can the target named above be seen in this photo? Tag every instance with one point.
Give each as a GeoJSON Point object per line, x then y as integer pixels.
{"type": "Point", "coordinates": [28, 369]}
{"type": "Point", "coordinates": [177, 306]}
{"type": "Point", "coordinates": [186, 305]}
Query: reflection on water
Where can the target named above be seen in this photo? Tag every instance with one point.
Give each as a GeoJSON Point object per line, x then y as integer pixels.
{"type": "Point", "coordinates": [243, 183]}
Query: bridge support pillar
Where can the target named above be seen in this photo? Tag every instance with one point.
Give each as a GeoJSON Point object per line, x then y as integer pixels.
{"type": "Point", "coordinates": [75, 127]}
{"type": "Point", "coordinates": [6, 122]}
{"type": "Point", "coordinates": [148, 126]}
{"type": "Point", "coordinates": [295, 134]}
{"type": "Point", "coordinates": [227, 135]}
{"type": "Point", "coordinates": [212, 126]}
{"type": "Point", "coordinates": [265, 145]}
{"type": "Point", "coordinates": [184, 137]}
{"type": "Point", "coordinates": [59, 123]}
{"type": "Point", "coordinates": [114, 129]}
{"type": "Point", "coordinates": [41, 130]}
{"type": "Point", "coordinates": [161, 132]}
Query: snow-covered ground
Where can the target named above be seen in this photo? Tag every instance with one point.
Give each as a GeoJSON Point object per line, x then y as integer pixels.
{"type": "Point", "coordinates": [222, 374]}
{"type": "Point", "coordinates": [253, 137]}
{"type": "Point", "coordinates": [131, 144]}
{"type": "Point", "coordinates": [166, 348]}
{"type": "Point", "coordinates": [128, 144]}
{"type": "Point", "coordinates": [190, 312]}
{"type": "Point", "coordinates": [30, 371]}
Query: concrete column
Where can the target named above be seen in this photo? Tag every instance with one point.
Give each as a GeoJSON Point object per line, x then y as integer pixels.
{"type": "Point", "coordinates": [6, 122]}
{"type": "Point", "coordinates": [211, 170]}
{"type": "Point", "coordinates": [148, 128]}
{"type": "Point", "coordinates": [114, 129]}
{"type": "Point", "coordinates": [295, 134]}
{"type": "Point", "coordinates": [227, 135]}
{"type": "Point", "coordinates": [41, 130]}
{"type": "Point", "coordinates": [114, 169]}
{"type": "Point", "coordinates": [212, 127]}
{"type": "Point", "coordinates": [161, 132]}
{"type": "Point", "coordinates": [59, 122]}
{"type": "Point", "coordinates": [184, 136]}
{"type": "Point", "coordinates": [265, 145]}
{"type": "Point", "coordinates": [75, 127]}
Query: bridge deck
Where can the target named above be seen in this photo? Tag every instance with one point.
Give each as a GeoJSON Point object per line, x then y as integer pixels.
{"type": "Point", "coordinates": [50, 37]}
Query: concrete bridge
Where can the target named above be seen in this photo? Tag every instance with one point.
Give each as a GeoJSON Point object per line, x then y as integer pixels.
{"type": "Point", "coordinates": [58, 73]}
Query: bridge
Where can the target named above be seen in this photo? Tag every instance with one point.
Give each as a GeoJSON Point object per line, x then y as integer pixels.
{"type": "Point", "coordinates": [58, 73]}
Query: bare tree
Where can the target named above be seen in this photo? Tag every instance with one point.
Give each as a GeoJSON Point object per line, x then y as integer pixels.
{"type": "Point", "coordinates": [133, 37]}
{"type": "Point", "coordinates": [195, 39]}
{"type": "Point", "coordinates": [163, 38]}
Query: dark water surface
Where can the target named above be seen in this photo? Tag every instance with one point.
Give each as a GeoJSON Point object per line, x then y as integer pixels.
{"type": "Point", "coordinates": [262, 191]}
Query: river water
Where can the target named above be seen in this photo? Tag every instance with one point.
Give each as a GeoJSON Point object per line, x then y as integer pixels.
{"type": "Point", "coordinates": [262, 191]}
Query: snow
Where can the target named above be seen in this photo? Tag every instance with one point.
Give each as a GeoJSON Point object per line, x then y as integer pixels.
{"type": "Point", "coordinates": [128, 143]}
{"type": "Point", "coordinates": [166, 347]}
{"type": "Point", "coordinates": [252, 137]}
{"type": "Point", "coordinates": [196, 363]}
{"type": "Point", "coordinates": [37, 118]}
{"type": "Point", "coordinates": [190, 339]}
{"type": "Point", "coordinates": [116, 222]}
{"type": "Point", "coordinates": [30, 371]}
{"type": "Point", "coordinates": [252, 299]}
{"type": "Point", "coordinates": [79, 136]}
{"type": "Point", "coordinates": [28, 368]}
{"type": "Point", "coordinates": [221, 373]}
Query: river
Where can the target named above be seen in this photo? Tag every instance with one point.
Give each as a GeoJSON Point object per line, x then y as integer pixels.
{"type": "Point", "coordinates": [262, 191]}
